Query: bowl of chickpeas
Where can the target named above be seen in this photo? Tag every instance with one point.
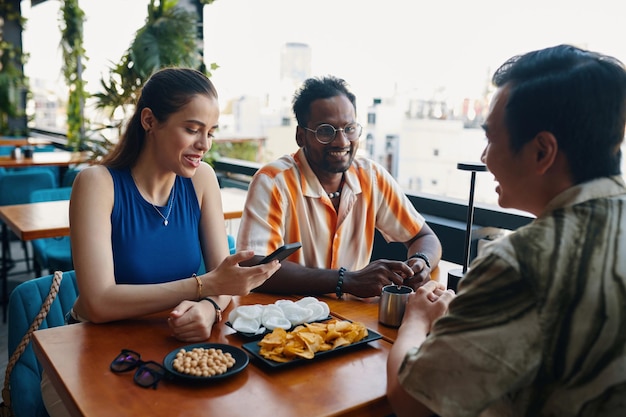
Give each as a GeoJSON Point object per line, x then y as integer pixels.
{"type": "Point", "coordinates": [205, 361]}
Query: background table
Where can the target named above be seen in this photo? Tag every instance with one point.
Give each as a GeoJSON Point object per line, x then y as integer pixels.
{"type": "Point", "coordinates": [55, 158]}
{"type": "Point", "coordinates": [4, 141]}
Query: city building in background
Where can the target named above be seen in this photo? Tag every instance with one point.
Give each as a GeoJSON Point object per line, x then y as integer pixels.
{"type": "Point", "coordinates": [249, 115]}
{"type": "Point", "coordinates": [295, 67]}
{"type": "Point", "coordinates": [421, 149]}
{"type": "Point", "coordinates": [46, 108]}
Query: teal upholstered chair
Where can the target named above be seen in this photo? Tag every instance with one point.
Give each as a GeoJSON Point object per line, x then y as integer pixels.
{"type": "Point", "coordinates": [54, 253]}
{"type": "Point", "coordinates": [24, 305]}
{"type": "Point", "coordinates": [17, 186]}
{"type": "Point", "coordinates": [69, 176]}
{"type": "Point", "coordinates": [231, 247]}
{"type": "Point", "coordinates": [231, 244]}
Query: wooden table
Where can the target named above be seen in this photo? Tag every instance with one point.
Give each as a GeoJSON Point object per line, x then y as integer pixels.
{"type": "Point", "coordinates": [349, 383]}
{"type": "Point", "coordinates": [51, 219]}
{"type": "Point", "coordinates": [61, 159]}
{"type": "Point", "coordinates": [55, 158]}
{"type": "Point", "coordinates": [4, 141]}
{"type": "Point", "coordinates": [77, 358]}
{"type": "Point", "coordinates": [37, 220]}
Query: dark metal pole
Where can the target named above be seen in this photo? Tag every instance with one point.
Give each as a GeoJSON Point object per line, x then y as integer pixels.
{"type": "Point", "coordinates": [456, 274]}
{"type": "Point", "coordinates": [470, 221]}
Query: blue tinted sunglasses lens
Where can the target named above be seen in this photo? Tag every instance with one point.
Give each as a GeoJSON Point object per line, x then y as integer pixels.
{"type": "Point", "coordinates": [149, 374]}
{"type": "Point", "coordinates": [125, 361]}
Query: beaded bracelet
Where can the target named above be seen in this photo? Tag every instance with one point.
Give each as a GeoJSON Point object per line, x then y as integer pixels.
{"type": "Point", "coordinates": [338, 291]}
{"type": "Point", "coordinates": [423, 257]}
{"type": "Point", "coordinates": [218, 310]}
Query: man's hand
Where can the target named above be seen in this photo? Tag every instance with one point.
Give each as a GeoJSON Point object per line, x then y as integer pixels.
{"type": "Point", "coordinates": [427, 304]}
{"type": "Point", "coordinates": [421, 273]}
{"type": "Point", "coordinates": [369, 281]}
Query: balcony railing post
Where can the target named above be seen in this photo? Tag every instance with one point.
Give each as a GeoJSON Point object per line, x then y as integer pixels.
{"type": "Point", "coordinates": [455, 275]}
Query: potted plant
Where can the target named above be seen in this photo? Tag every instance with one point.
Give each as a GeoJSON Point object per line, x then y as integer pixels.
{"type": "Point", "coordinates": [13, 83]}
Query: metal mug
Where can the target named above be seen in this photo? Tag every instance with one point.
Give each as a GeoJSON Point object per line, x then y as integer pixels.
{"type": "Point", "coordinates": [392, 304]}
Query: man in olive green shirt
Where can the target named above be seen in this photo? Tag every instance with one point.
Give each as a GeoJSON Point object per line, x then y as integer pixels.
{"type": "Point", "coordinates": [537, 327]}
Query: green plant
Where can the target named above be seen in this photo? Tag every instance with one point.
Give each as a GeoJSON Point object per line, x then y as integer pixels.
{"type": "Point", "coordinates": [12, 80]}
{"type": "Point", "coordinates": [168, 38]}
{"type": "Point", "coordinates": [73, 56]}
{"type": "Point", "coordinates": [96, 144]}
{"type": "Point", "coordinates": [246, 150]}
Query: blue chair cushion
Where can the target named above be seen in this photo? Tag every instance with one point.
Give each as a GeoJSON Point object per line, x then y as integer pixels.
{"type": "Point", "coordinates": [24, 305]}
{"type": "Point", "coordinates": [231, 247]}
{"type": "Point", "coordinates": [69, 176]}
{"type": "Point", "coordinates": [55, 253]}
{"type": "Point", "coordinates": [231, 244]}
{"type": "Point", "coordinates": [50, 194]}
{"type": "Point", "coordinates": [52, 169]}
{"type": "Point", "coordinates": [16, 187]}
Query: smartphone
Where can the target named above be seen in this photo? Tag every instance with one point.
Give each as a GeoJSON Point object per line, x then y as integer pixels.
{"type": "Point", "coordinates": [282, 252]}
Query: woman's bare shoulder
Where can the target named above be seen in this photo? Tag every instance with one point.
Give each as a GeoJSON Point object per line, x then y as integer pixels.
{"type": "Point", "coordinates": [205, 175]}
{"type": "Point", "coordinates": [95, 178]}
{"type": "Point", "coordinates": [94, 173]}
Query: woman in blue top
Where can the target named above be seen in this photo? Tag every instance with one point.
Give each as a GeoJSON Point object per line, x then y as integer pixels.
{"type": "Point", "coordinates": [142, 220]}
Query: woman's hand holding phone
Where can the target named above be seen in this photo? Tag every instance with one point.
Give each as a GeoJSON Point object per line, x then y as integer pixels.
{"type": "Point", "coordinates": [282, 252]}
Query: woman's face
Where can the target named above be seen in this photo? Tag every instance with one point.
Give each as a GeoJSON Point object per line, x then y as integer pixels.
{"type": "Point", "coordinates": [183, 139]}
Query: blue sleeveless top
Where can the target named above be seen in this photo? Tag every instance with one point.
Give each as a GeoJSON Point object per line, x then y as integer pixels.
{"type": "Point", "coordinates": [145, 251]}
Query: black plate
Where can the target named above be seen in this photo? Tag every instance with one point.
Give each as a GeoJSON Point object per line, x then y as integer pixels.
{"type": "Point", "coordinates": [254, 348]}
{"type": "Point", "coordinates": [260, 335]}
{"type": "Point", "coordinates": [241, 361]}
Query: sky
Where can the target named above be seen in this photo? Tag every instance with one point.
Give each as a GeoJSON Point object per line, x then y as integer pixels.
{"type": "Point", "coordinates": [381, 47]}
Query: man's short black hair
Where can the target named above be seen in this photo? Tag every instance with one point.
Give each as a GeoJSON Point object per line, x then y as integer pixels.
{"type": "Point", "coordinates": [318, 88]}
{"type": "Point", "coordinates": [579, 96]}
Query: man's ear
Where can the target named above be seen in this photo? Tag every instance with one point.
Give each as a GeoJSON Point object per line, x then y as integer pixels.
{"type": "Point", "coordinates": [300, 136]}
{"type": "Point", "coordinates": [545, 151]}
{"type": "Point", "coordinates": [147, 119]}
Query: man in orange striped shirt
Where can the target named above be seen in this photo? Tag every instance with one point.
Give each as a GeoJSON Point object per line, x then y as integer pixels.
{"type": "Point", "coordinates": [332, 202]}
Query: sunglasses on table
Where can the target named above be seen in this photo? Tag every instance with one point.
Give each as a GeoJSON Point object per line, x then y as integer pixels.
{"type": "Point", "coordinates": [147, 375]}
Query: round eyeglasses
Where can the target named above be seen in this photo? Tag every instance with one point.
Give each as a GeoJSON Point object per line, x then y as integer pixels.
{"type": "Point", "coordinates": [325, 133]}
